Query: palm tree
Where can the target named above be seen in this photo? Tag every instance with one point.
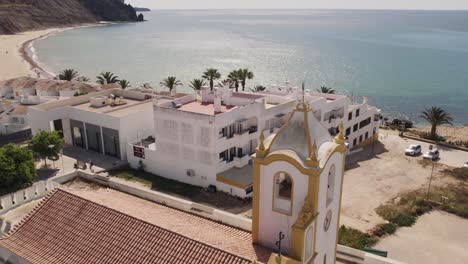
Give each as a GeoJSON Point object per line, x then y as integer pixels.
{"type": "Point", "coordinates": [106, 78]}
{"type": "Point", "coordinates": [234, 79]}
{"type": "Point", "coordinates": [124, 83]}
{"type": "Point", "coordinates": [197, 84]}
{"type": "Point", "coordinates": [244, 75]}
{"type": "Point", "coordinates": [258, 88]}
{"type": "Point", "coordinates": [436, 116]}
{"type": "Point", "coordinates": [170, 82]}
{"type": "Point", "coordinates": [211, 74]}
{"type": "Point", "coordinates": [68, 75]}
{"type": "Point", "coordinates": [326, 90]}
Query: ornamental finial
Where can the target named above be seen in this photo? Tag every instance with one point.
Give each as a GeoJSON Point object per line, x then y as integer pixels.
{"type": "Point", "coordinates": [340, 139]}
{"type": "Point", "coordinates": [312, 160]}
{"type": "Point", "coordinates": [261, 146]}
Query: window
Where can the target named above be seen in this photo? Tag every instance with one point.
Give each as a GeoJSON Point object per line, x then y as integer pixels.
{"type": "Point", "coordinates": [360, 138]}
{"type": "Point", "coordinates": [283, 190]}
{"type": "Point", "coordinates": [139, 152]}
{"type": "Point", "coordinates": [348, 131]}
{"type": "Point", "coordinates": [331, 184]}
{"type": "Point", "coordinates": [350, 115]}
{"type": "Point", "coordinates": [365, 122]}
{"type": "Point", "coordinates": [357, 112]}
{"type": "Point", "coordinates": [223, 155]}
{"type": "Point", "coordinates": [376, 117]}
{"type": "Point", "coordinates": [355, 127]}
{"type": "Point", "coordinates": [367, 135]}
{"type": "Point", "coordinates": [354, 142]}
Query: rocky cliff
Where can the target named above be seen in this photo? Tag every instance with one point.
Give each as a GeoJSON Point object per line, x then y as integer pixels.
{"type": "Point", "coordinates": [22, 15]}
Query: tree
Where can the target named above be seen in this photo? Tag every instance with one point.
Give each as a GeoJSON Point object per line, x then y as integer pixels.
{"type": "Point", "coordinates": [47, 144]}
{"type": "Point", "coordinates": [258, 88]}
{"type": "Point", "coordinates": [197, 84]}
{"type": "Point", "coordinates": [124, 83]}
{"type": "Point", "coordinates": [170, 82]}
{"type": "Point", "coordinates": [211, 74]}
{"type": "Point", "coordinates": [234, 79]}
{"type": "Point", "coordinates": [17, 168]}
{"type": "Point", "coordinates": [106, 78]}
{"type": "Point", "coordinates": [244, 75]}
{"type": "Point", "coordinates": [67, 75]}
{"type": "Point", "coordinates": [436, 116]}
{"type": "Point", "coordinates": [326, 90]}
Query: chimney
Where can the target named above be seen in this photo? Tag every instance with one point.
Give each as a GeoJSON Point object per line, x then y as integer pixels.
{"type": "Point", "coordinates": [217, 104]}
{"type": "Point", "coordinates": [365, 100]}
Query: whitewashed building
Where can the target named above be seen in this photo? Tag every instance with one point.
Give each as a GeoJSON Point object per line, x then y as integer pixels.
{"type": "Point", "coordinates": [360, 120]}
{"type": "Point", "coordinates": [100, 122]}
{"type": "Point", "coordinates": [207, 139]}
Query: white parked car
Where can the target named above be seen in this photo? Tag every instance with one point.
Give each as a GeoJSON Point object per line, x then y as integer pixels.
{"type": "Point", "coordinates": [432, 154]}
{"type": "Point", "coordinates": [413, 150]}
{"type": "Point", "coordinates": [465, 165]}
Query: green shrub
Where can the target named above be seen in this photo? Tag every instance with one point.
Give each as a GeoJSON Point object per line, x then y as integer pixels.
{"type": "Point", "coordinates": [354, 238]}
{"type": "Point", "coordinates": [458, 173]}
{"type": "Point", "coordinates": [427, 135]}
{"type": "Point", "coordinates": [402, 219]}
{"type": "Point", "coordinates": [384, 229]}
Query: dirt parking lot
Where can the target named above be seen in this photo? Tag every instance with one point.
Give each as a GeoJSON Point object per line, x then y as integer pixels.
{"type": "Point", "coordinates": [437, 237]}
{"type": "Point", "coordinates": [381, 172]}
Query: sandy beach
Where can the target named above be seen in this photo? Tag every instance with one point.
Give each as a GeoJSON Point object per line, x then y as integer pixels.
{"type": "Point", "coordinates": [15, 54]}
{"type": "Point", "coordinates": [451, 133]}
{"type": "Point", "coordinates": [12, 63]}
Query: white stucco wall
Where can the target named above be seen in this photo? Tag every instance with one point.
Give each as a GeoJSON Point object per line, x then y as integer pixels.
{"type": "Point", "coordinates": [326, 240]}
{"type": "Point", "coordinates": [271, 222]}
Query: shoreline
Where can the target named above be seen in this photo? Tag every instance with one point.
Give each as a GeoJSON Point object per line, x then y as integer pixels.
{"type": "Point", "coordinates": [17, 56]}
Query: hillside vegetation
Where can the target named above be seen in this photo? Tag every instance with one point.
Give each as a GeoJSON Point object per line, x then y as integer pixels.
{"type": "Point", "coordinates": [23, 15]}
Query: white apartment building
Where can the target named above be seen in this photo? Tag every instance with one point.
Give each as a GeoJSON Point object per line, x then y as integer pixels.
{"type": "Point", "coordinates": [360, 120]}
{"type": "Point", "coordinates": [101, 121]}
{"type": "Point", "coordinates": [207, 139]}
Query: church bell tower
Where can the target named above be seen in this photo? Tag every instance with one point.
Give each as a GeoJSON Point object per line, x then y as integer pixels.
{"type": "Point", "coordinates": [297, 179]}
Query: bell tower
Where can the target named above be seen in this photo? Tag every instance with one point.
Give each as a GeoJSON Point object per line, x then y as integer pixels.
{"type": "Point", "coordinates": [297, 181]}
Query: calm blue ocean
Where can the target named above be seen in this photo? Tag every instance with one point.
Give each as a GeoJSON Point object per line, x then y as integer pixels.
{"type": "Point", "coordinates": [403, 61]}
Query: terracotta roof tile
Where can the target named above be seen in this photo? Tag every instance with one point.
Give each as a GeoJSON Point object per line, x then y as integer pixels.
{"type": "Point", "coordinates": [66, 228]}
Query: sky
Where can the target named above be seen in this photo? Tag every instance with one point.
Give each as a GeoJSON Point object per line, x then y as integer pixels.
{"type": "Point", "coordinates": [302, 4]}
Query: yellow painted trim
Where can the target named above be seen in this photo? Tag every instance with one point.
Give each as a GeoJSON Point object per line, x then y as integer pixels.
{"type": "Point", "coordinates": [274, 259]}
{"type": "Point", "coordinates": [220, 178]}
{"type": "Point", "coordinates": [283, 157]}
{"type": "Point", "coordinates": [256, 202]}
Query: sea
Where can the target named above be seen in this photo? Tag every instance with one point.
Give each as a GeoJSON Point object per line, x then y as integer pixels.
{"type": "Point", "coordinates": [403, 61]}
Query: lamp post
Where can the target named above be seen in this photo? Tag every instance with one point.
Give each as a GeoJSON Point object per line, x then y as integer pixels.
{"type": "Point", "coordinates": [430, 180]}
{"type": "Point", "coordinates": [61, 155]}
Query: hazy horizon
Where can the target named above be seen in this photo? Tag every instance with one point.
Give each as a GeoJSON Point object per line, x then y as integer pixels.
{"type": "Point", "coordinates": [421, 5]}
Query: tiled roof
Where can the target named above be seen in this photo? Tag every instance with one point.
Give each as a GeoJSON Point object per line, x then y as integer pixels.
{"type": "Point", "coordinates": [66, 228]}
